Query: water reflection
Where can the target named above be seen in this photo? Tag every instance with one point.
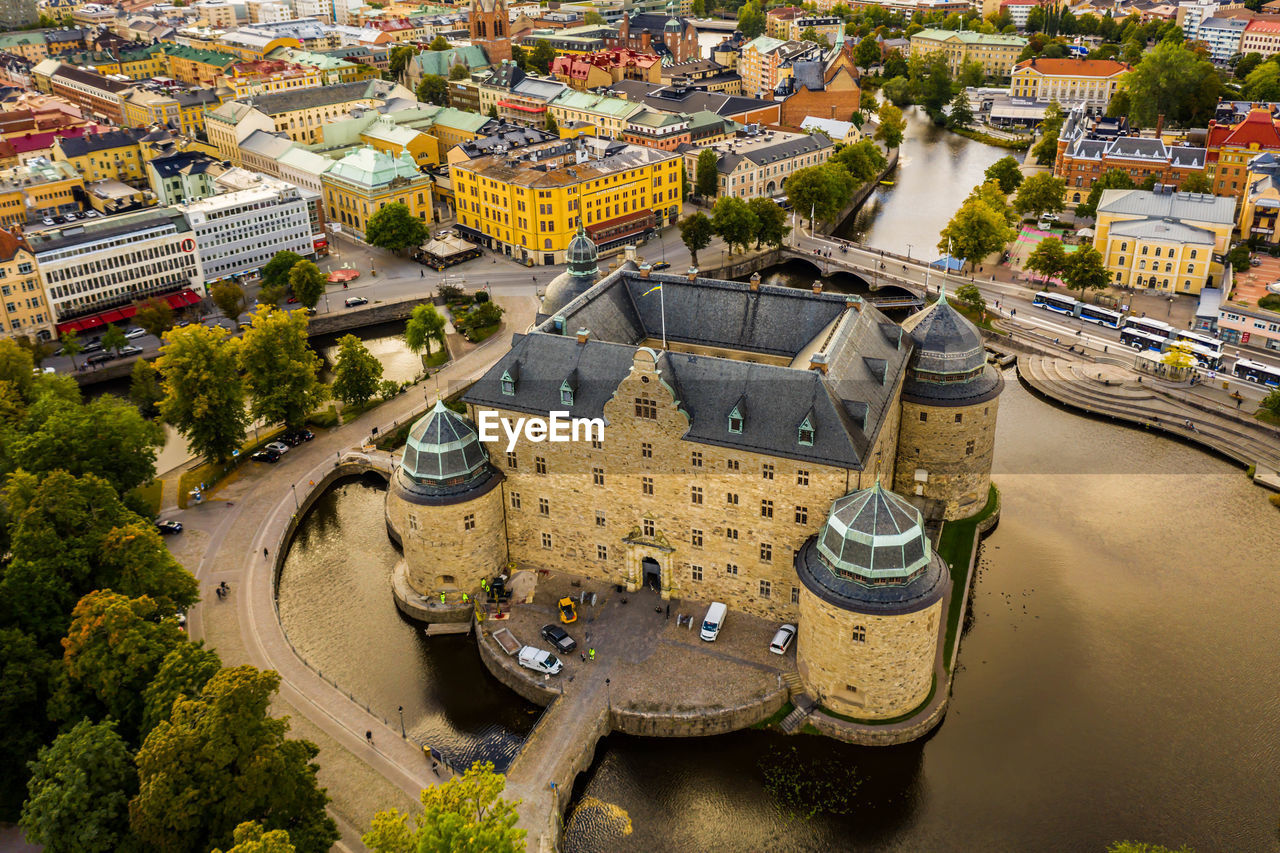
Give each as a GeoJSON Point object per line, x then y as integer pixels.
{"type": "Point", "coordinates": [336, 605]}
{"type": "Point", "coordinates": [385, 342]}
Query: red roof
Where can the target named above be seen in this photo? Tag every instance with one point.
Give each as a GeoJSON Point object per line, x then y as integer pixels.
{"type": "Point", "coordinates": [1263, 25]}
{"type": "Point", "coordinates": [1075, 67]}
{"type": "Point", "coordinates": [181, 299]}
{"type": "Point", "coordinates": [1257, 128]}
{"type": "Point", "coordinates": [10, 244]}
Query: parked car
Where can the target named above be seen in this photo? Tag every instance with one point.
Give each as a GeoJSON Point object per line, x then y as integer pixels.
{"type": "Point", "coordinates": [556, 636]}
{"type": "Point", "coordinates": [100, 358]}
{"type": "Point", "coordinates": [266, 456]}
{"type": "Point", "coordinates": [278, 447]}
{"type": "Point", "coordinates": [660, 266]}
{"type": "Point", "coordinates": [71, 217]}
{"type": "Point", "coordinates": [130, 350]}
{"type": "Point", "coordinates": [353, 301]}
{"type": "Point", "coordinates": [1049, 217]}
{"type": "Point", "coordinates": [782, 639]}
{"type": "Point", "coordinates": [568, 612]}
{"type": "Point", "coordinates": [91, 346]}
{"type": "Point", "coordinates": [134, 332]}
{"type": "Point", "coordinates": [539, 660]}
{"type": "Point", "coordinates": [167, 528]}
{"type": "Point", "coordinates": [47, 221]}
{"type": "Point", "coordinates": [294, 437]}
{"type": "Point", "coordinates": [91, 214]}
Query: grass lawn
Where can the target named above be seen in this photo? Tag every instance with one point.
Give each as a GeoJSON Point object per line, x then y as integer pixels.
{"type": "Point", "coordinates": [150, 494]}
{"type": "Point", "coordinates": [480, 334]}
{"type": "Point", "coordinates": [972, 316]}
{"type": "Point", "coordinates": [956, 545]}
{"type": "Point", "coordinates": [1267, 417]}
{"type": "Point", "coordinates": [351, 412]}
{"type": "Point", "coordinates": [324, 418]}
{"type": "Point", "coordinates": [776, 717]}
{"type": "Point", "coordinates": [436, 359]}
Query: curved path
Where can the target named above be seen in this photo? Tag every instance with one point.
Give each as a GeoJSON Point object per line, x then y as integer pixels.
{"type": "Point", "coordinates": [225, 541]}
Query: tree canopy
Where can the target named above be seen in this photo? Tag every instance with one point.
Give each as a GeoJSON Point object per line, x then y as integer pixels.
{"type": "Point", "coordinates": [433, 89]}
{"type": "Point", "coordinates": [229, 297]}
{"type": "Point", "coordinates": [1112, 179]}
{"type": "Point", "coordinates": [275, 273]}
{"type": "Point", "coordinates": [356, 372]}
{"type": "Point", "coordinates": [204, 394]}
{"type": "Point", "coordinates": [696, 232]}
{"type": "Point", "coordinates": [1040, 193]}
{"type": "Point", "coordinates": [705, 175]}
{"type": "Point", "coordinates": [961, 112]}
{"type": "Point", "coordinates": [281, 371]}
{"type": "Point", "coordinates": [463, 815]}
{"type": "Point", "coordinates": [425, 325]}
{"type": "Point", "coordinates": [975, 231]}
{"type": "Point", "coordinates": [394, 228]}
{"type": "Point", "coordinates": [1049, 258]}
{"type": "Point", "coordinates": [734, 222]}
{"type": "Point", "coordinates": [1085, 270]}
{"type": "Point", "coordinates": [155, 316]}
{"type": "Point", "coordinates": [819, 192]}
{"type": "Point", "coordinates": [891, 125]}
{"type": "Point", "coordinates": [771, 221]}
{"type": "Point", "coordinates": [1005, 172]}
{"type": "Point", "coordinates": [307, 283]}
{"type": "Point", "coordinates": [1174, 82]}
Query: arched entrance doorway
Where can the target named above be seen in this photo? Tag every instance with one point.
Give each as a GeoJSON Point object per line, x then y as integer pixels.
{"type": "Point", "coordinates": [651, 574]}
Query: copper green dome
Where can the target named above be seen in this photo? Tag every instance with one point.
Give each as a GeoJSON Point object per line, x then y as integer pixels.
{"type": "Point", "coordinates": [582, 254]}
{"type": "Point", "coordinates": [873, 536]}
{"type": "Point", "coordinates": [442, 448]}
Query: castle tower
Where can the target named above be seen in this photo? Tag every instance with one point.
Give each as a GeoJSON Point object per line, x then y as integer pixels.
{"type": "Point", "coordinates": [445, 506]}
{"type": "Point", "coordinates": [491, 29]}
{"type": "Point", "coordinates": [872, 606]}
{"type": "Point", "coordinates": [581, 256]}
{"type": "Point", "coordinates": [949, 402]}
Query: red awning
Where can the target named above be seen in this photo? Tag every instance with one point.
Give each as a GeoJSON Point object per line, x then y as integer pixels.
{"type": "Point", "coordinates": [522, 107]}
{"type": "Point", "coordinates": [181, 299]}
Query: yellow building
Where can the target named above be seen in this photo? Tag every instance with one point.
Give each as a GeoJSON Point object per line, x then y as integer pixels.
{"type": "Point", "coordinates": [1074, 82]}
{"type": "Point", "coordinates": [608, 115]}
{"type": "Point", "coordinates": [996, 53]}
{"type": "Point", "coordinates": [1260, 207]}
{"type": "Point", "coordinates": [142, 64]}
{"type": "Point", "coordinates": [367, 180]}
{"type": "Point", "coordinates": [196, 67]}
{"type": "Point", "coordinates": [24, 311]}
{"type": "Point", "coordinates": [38, 189]}
{"type": "Point", "coordinates": [527, 203]}
{"type": "Point", "coordinates": [453, 127]}
{"type": "Point", "coordinates": [1164, 240]}
{"type": "Point", "coordinates": [250, 44]}
{"type": "Point", "coordinates": [98, 156]}
{"type": "Point", "coordinates": [269, 76]}
{"type": "Point", "coordinates": [182, 110]}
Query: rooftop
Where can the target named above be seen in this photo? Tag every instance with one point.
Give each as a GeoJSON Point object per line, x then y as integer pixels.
{"type": "Point", "coordinates": [1196, 207]}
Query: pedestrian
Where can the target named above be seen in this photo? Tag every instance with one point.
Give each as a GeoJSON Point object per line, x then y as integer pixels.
{"type": "Point", "coordinates": [464, 598]}
{"type": "Point", "coordinates": [435, 768]}
{"type": "Point", "coordinates": [422, 273]}
{"type": "Point", "coordinates": [668, 611]}
{"type": "Point", "coordinates": [1013, 312]}
{"type": "Point", "coordinates": [442, 598]}
{"type": "Point", "coordinates": [369, 737]}
{"type": "Point", "coordinates": [264, 553]}
{"type": "Point", "coordinates": [592, 654]}
{"type": "Point", "coordinates": [1239, 400]}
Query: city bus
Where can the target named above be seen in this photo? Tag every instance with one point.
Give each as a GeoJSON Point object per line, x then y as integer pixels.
{"type": "Point", "coordinates": [1101, 316]}
{"type": "Point", "coordinates": [1255, 371]}
{"type": "Point", "coordinates": [1205, 356]}
{"type": "Point", "coordinates": [1213, 345]}
{"type": "Point", "coordinates": [1054, 302]}
{"type": "Point", "coordinates": [1151, 327]}
{"type": "Point", "coordinates": [1138, 339]}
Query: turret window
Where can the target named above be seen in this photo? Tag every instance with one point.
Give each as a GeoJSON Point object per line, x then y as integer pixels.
{"type": "Point", "coordinates": [508, 384]}
{"type": "Point", "coordinates": [806, 433]}
{"type": "Point", "coordinates": [859, 634]}
{"type": "Point", "coordinates": [469, 521]}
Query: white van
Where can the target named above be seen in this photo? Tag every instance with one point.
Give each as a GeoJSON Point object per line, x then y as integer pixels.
{"type": "Point", "coordinates": [713, 621]}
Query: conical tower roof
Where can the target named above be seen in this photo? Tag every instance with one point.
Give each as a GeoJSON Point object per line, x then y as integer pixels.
{"type": "Point", "coordinates": [442, 447]}
{"type": "Point", "coordinates": [946, 342]}
{"type": "Point", "coordinates": [873, 536]}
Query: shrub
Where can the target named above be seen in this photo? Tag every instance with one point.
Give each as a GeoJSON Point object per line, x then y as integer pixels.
{"type": "Point", "coordinates": [482, 296]}
{"type": "Point", "coordinates": [388, 388]}
{"type": "Point", "coordinates": [1271, 302]}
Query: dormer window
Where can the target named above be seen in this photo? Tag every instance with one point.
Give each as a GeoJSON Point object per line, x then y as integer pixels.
{"type": "Point", "coordinates": [735, 421]}
{"type": "Point", "coordinates": [508, 384]}
{"type": "Point", "coordinates": [566, 393]}
{"type": "Point", "coordinates": [805, 436]}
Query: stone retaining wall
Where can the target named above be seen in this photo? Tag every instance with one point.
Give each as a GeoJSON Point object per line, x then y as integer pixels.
{"type": "Point", "coordinates": [697, 723]}
{"type": "Point", "coordinates": [343, 319]}
{"type": "Point", "coordinates": [504, 668]}
{"type": "Point", "coordinates": [889, 735]}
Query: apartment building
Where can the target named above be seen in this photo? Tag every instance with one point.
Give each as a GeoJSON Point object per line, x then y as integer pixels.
{"type": "Point", "coordinates": [24, 312]}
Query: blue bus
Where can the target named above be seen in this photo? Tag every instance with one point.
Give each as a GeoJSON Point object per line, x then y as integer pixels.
{"type": "Point", "coordinates": [1054, 302]}
{"type": "Point", "coordinates": [1255, 371]}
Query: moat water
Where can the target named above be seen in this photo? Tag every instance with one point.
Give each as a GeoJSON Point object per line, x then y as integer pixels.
{"type": "Point", "coordinates": [1117, 676]}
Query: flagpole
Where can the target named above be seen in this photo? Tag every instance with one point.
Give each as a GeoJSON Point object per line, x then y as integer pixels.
{"type": "Point", "coordinates": [662, 306]}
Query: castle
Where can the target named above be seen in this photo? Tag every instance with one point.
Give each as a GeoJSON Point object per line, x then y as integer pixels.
{"type": "Point", "coordinates": [766, 447]}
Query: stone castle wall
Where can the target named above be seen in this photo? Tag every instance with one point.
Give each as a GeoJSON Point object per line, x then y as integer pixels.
{"type": "Point", "coordinates": [959, 476]}
{"type": "Point", "coordinates": [885, 674]}
{"type": "Point", "coordinates": [451, 547]}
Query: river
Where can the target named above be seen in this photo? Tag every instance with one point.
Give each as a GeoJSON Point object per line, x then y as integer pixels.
{"type": "Point", "coordinates": [1117, 676]}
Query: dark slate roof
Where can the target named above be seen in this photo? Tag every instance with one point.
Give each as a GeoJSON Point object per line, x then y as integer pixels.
{"type": "Point", "coordinates": [318, 96]}
{"type": "Point", "coordinates": [76, 146]}
{"type": "Point", "coordinates": [809, 73]}
{"type": "Point", "coordinates": [865, 352]}
{"type": "Point", "coordinates": [688, 100]}
{"type": "Point", "coordinates": [947, 343]}
{"type": "Point", "coordinates": [173, 164]}
{"type": "Point", "coordinates": [653, 23]}
{"type": "Point", "coordinates": [888, 599]}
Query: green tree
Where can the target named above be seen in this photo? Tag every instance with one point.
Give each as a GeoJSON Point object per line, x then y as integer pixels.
{"type": "Point", "coordinates": [399, 58]}
{"type": "Point", "coordinates": [696, 232]}
{"type": "Point", "coordinates": [892, 125]}
{"type": "Point", "coordinates": [79, 791]}
{"type": "Point", "coordinates": [1046, 150]}
{"type": "Point", "coordinates": [251, 838]}
{"type": "Point", "coordinates": [975, 231]}
{"type": "Point", "coordinates": [961, 112]}
{"type": "Point", "coordinates": [1247, 63]}
{"type": "Point", "coordinates": [969, 295]}
{"type": "Point", "coordinates": [685, 188]}
{"type": "Point", "coordinates": [771, 221]}
{"type": "Point", "coordinates": [1172, 81]}
{"type": "Point", "coordinates": [155, 316]}
{"type": "Point", "coordinates": [433, 89]}
{"type": "Point", "coordinates": [541, 56]}
{"type": "Point", "coordinates": [493, 111]}
{"type": "Point", "coordinates": [971, 74]}
{"type": "Point", "coordinates": [113, 339]}
{"type": "Point", "coordinates": [820, 191]}
{"type": "Point", "coordinates": [229, 297]}
{"type": "Point", "coordinates": [280, 369]}
{"type": "Point", "coordinates": [275, 273]}
{"type": "Point", "coordinates": [706, 174]}
{"type": "Point", "coordinates": [16, 366]}
{"type": "Point", "coordinates": [897, 90]}
{"type": "Point", "coordinates": [183, 673]}
{"type": "Point", "coordinates": [551, 125]}
{"type": "Point", "coordinates": [895, 65]}
{"type": "Point", "coordinates": [1040, 193]}
{"type": "Point", "coordinates": [144, 388]}
{"type": "Point", "coordinates": [1049, 258]}
{"type": "Point", "coordinates": [863, 160]}
{"type": "Point", "coordinates": [1179, 356]}
{"type": "Point", "coordinates": [989, 194]}
{"type": "Point", "coordinates": [1238, 257]}
{"type": "Point", "coordinates": [1195, 183]}
{"type": "Point", "coordinates": [219, 761]}
{"type": "Point", "coordinates": [930, 77]}
{"type": "Point", "coordinates": [751, 20]}
{"type": "Point", "coordinates": [113, 649]}
{"type": "Point", "coordinates": [1085, 270]}
{"type": "Point", "coordinates": [698, 8]}
{"type": "Point", "coordinates": [307, 283]}
{"type": "Point", "coordinates": [1006, 172]}
{"type": "Point", "coordinates": [810, 34]}
{"type": "Point", "coordinates": [1112, 179]}
{"type": "Point", "coordinates": [25, 672]}
{"type": "Point", "coordinates": [1263, 83]}
{"type": "Point", "coordinates": [463, 815]}
{"type": "Point", "coordinates": [71, 346]}
{"type": "Point", "coordinates": [439, 43]}
{"type": "Point", "coordinates": [1269, 404]}
{"type": "Point", "coordinates": [394, 228]}
{"type": "Point", "coordinates": [356, 373]}
{"type": "Point", "coordinates": [459, 72]}
{"type": "Point", "coordinates": [593, 19]}
{"type": "Point", "coordinates": [868, 53]}
{"type": "Point", "coordinates": [425, 325]}
{"type": "Point", "coordinates": [204, 395]}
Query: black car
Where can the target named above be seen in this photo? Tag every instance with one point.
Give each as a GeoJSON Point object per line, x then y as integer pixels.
{"type": "Point", "coordinates": [168, 527]}
{"type": "Point", "coordinates": [294, 437]}
{"type": "Point", "coordinates": [91, 346]}
{"type": "Point", "coordinates": [266, 456]}
{"type": "Point", "coordinates": [100, 358]}
{"type": "Point", "coordinates": [660, 266]}
{"type": "Point", "coordinates": [556, 636]}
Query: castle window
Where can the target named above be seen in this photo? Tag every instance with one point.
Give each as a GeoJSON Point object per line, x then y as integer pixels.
{"type": "Point", "coordinates": [731, 533]}
{"type": "Point", "coordinates": [597, 476]}
{"type": "Point", "coordinates": [802, 477]}
{"type": "Point", "coordinates": [413, 521]}
{"type": "Point", "coordinates": [646, 450]}
{"type": "Point", "coordinates": [802, 515]}
{"type": "Point", "coordinates": [731, 569]}
{"type": "Point", "coordinates": [731, 464]}
{"type": "Point", "coordinates": [695, 537]}
{"type": "Point", "coordinates": [766, 509]}
{"type": "Point", "coordinates": [539, 465]}
{"type": "Point", "coordinates": [508, 384]}
{"type": "Point", "coordinates": [766, 552]}
{"type": "Point", "coordinates": [735, 421]}
{"type": "Point", "coordinates": [959, 417]}
{"type": "Point", "coordinates": [968, 447]}
{"type": "Point", "coordinates": [599, 518]}
{"type": "Point", "coordinates": [546, 541]}
{"type": "Point", "coordinates": [767, 471]}
{"type": "Point", "coordinates": [646, 485]}
{"type": "Point", "coordinates": [602, 552]}
{"type": "Point", "coordinates": [766, 589]}
{"type": "Point", "coordinates": [511, 459]}
{"type": "Point", "coordinates": [695, 572]}
{"type": "Point", "coordinates": [515, 500]}
{"type": "Point", "coordinates": [695, 494]}
{"type": "Point", "coordinates": [795, 595]}
{"type": "Point", "coordinates": [696, 459]}
{"type": "Point", "coordinates": [544, 507]}
{"type": "Point", "coordinates": [806, 433]}
{"type": "Point", "coordinates": [859, 634]}
{"type": "Point", "coordinates": [596, 444]}
{"type": "Point", "coordinates": [646, 408]}
{"type": "Point", "coordinates": [852, 688]}
{"type": "Point", "coordinates": [924, 416]}
{"type": "Point", "coordinates": [566, 393]}
{"type": "Point", "coordinates": [731, 498]}
{"type": "Point", "coordinates": [647, 526]}
{"type": "Point", "coordinates": [469, 521]}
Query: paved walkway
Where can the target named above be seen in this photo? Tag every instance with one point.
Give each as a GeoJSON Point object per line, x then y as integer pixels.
{"type": "Point", "coordinates": [225, 539]}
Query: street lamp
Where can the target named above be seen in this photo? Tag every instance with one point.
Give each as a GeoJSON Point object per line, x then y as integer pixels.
{"type": "Point", "coordinates": [908, 251]}
{"type": "Point", "coordinates": [294, 486]}
{"type": "Point", "coordinates": [401, 710]}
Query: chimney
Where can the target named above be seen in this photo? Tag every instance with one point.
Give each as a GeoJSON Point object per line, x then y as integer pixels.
{"type": "Point", "coordinates": [853, 302]}
{"type": "Point", "coordinates": [583, 334]}
{"type": "Point", "coordinates": [755, 282]}
{"type": "Point", "coordinates": [1159, 125]}
{"type": "Point", "coordinates": [692, 274]}
{"type": "Point", "coordinates": [818, 361]}
{"type": "Point", "coordinates": [645, 269]}
{"type": "Point", "coordinates": [817, 285]}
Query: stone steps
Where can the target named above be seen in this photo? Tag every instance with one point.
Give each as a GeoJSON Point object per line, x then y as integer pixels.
{"type": "Point", "coordinates": [793, 682]}
{"type": "Point", "coordinates": [794, 720]}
